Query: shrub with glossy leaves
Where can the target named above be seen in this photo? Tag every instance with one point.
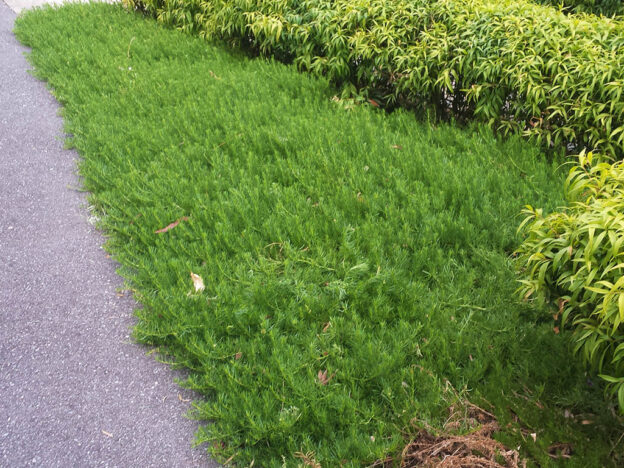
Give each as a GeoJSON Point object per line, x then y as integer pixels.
{"type": "Point", "coordinates": [517, 65]}
{"type": "Point", "coordinates": [598, 7]}
{"type": "Point", "coordinates": [576, 257]}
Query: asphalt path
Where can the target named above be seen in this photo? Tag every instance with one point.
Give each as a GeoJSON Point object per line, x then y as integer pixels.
{"type": "Point", "coordinates": [75, 391]}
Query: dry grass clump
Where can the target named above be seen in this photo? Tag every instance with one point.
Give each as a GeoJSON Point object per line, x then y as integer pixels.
{"type": "Point", "coordinates": [464, 441]}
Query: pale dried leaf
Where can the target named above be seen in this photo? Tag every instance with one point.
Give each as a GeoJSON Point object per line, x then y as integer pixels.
{"type": "Point", "coordinates": [198, 282]}
{"type": "Point", "coordinates": [172, 225]}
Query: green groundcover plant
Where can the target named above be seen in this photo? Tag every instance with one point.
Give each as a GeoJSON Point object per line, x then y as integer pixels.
{"type": "Point", "coordinates": [576, 257]}
{"type": "Point", "coordinates": [324, 271]}
{"type": "Point", "coordinates": [514, 64]}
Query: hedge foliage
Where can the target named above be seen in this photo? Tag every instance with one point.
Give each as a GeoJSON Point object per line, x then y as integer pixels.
{"type": "Point", "coordinates": [599, 7]}
{"type": "Point", "coordinates": [519, 66]}
{"type": "Point", "coordinates": [576, 257]}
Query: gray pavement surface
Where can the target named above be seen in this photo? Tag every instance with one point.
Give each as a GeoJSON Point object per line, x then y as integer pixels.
{"type": "Point", "coordinates": [19, 5]}
{"type": "Point", "coordinates": [74, 390]}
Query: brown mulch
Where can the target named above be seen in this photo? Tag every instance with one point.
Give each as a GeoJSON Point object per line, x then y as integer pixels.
{"type": "Point", "coordinates": [473, 448]}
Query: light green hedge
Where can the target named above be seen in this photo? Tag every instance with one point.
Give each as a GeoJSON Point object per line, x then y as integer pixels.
{"type": "Point", "coordinates": [519, 66]}
{"type": "Point", "coordinates": [575, 258]}
{"type": "Point", "coordinates": [598, 7]}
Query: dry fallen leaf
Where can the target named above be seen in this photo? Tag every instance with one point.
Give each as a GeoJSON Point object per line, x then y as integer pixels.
{"type": "Point", "coordinates": [373, 103]}
{"type": "Point", "coordinates": [238, 355]}
{"type": "Point", "coordinates": [308, 459]}
{"type": "Point", "coordinates": [397, 147]}
{"type": "Point", "coordinates": [322, 377]}
{"type": "Point", "coordinates": [527, 295]}
{"type": "Point", "coordinates": [198, 282]}
{"type": "Point", "coordinates": [560, 450]}
{"type": "Point", "coordinates": [172, 225]}
{"type": "Point", "coordinates": [185, 400]}
{"type": "Point", "coordinates": [562, 303]}
{"type": "Point", "coordinates": [556, 330]}
{"type": "Point", "coordinates": [326, 327]}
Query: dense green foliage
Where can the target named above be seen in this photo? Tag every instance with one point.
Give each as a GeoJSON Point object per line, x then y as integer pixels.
{"type": "Point", "coordinates": [353, 261]}
{"type": "Point", "coordinates": [598, 7]}
{"type": "Point", "coordinates": [576, 257]}
{"type": "Point", "coordinates": [519, 66]}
